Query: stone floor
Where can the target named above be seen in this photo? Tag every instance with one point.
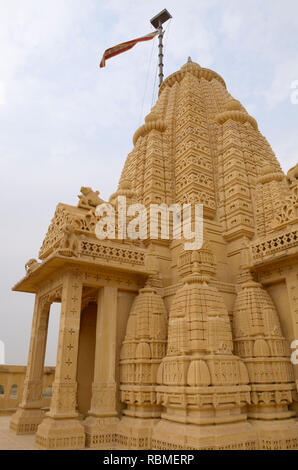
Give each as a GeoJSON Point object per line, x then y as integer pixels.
{"type": "Point", "coordinates": [9, 440]}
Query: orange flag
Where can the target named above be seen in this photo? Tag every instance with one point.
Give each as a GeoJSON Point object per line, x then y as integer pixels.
{"type": "Point", "coordinates": [124, 46]}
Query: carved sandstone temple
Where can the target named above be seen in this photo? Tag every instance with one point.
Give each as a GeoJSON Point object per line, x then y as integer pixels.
{"type": "Point", "coordinates": [162, 348]}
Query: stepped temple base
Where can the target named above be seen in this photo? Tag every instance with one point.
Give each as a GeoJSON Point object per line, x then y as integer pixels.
{"type": "Point", "coordinates": [100, 432]}
{"type": "Point", "coordinates": [235, 436]}
{"type": "Point", "coordinates": [135, 433]}
{"type": "Point", "coordinates": [276, 435]}
{"type": "Point", "coordinates": [151, 434]}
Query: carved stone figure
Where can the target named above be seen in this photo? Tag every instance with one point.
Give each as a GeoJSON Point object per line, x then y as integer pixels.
{"type": "Point", "coordinates": [89, 198]}
{"type": "Point", "coordinates": [69, 243]}
{"type": "Point", "coordinates": [292, 174]}
{"type": "Point", "coordinates": [31, 265]}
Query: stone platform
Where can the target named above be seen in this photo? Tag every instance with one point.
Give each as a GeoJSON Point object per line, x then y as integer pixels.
{"type": "Point", "coordinates": [10, 441]}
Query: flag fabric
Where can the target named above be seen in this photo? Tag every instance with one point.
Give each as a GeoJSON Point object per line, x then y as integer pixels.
{"type": "Point", "coordinates": [124, 46]}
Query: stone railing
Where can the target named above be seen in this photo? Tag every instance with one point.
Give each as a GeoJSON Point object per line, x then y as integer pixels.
{"type": "Point", "coordinates": [112, 251]}
{"type": "Point", "coordinates": [274, 245]}
{"type": "Point", "coordinates": [11, 387]}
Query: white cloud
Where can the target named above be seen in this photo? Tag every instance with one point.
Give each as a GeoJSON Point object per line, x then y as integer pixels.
{"type": "Point", "coordinates": [284, 75]}
{"type": "Point", "coordinates": [231, 24]}
{"type": "Point", "coordinates": [2, 94]}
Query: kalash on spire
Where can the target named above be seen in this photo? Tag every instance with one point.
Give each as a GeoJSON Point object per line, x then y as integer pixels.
{"type": "Point", "coordinates": [162, 347]}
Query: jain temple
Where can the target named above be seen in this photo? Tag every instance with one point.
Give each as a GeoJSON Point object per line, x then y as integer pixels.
{"type": "Point", "coordinates": [161, 347]}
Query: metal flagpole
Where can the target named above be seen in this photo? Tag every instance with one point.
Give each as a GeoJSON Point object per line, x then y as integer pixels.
{"type": "Point", "coordinates": [160, 55]}
{"type": "Point", "coordinates": [157, 22]}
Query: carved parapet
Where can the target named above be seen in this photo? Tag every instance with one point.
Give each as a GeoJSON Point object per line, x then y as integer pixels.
{"type": "Point", "coordinates": [277, 244]}
{"type": "Point", "coordinates": [123, 254]}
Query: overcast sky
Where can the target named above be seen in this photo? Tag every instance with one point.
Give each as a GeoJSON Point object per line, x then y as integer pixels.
{"type": "Point", "coordinates": [65, 123]}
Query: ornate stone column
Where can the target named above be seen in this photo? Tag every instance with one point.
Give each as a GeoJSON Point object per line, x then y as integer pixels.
{"type": "Point", "coordinates": [61, 428]}
{"type": "Point", "coordinates": [100, 424]}
{"type": "Point", "coordinates": [29, 414]}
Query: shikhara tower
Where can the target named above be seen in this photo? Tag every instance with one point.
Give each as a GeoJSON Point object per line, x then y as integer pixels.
{"type": "Point", "coordinates": [161, 348]}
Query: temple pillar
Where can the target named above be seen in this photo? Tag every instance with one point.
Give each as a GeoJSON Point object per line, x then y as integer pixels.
{"type": "Point", "coordinates": [103, 415]}
{"type": "Point", "coordinates": [29, 413]}
{"type": "Point", "coordinates": [61, 428]}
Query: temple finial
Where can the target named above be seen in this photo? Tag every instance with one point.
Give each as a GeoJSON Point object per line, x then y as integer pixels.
{"type": "Point", "coordinates": [189, 59]}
